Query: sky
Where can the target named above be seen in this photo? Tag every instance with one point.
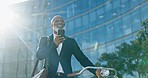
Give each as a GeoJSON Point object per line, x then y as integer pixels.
{"type": "Point", "coordinates": [9, 2]}
{"type": "Point", "coordinates": [5, 12]}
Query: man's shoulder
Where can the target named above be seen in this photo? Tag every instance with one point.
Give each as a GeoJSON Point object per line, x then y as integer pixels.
{"type": "Point", "coordinates": [70, 38]}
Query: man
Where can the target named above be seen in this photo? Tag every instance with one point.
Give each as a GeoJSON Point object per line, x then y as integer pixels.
{"type": "Point", "coordinates": [59, 51]}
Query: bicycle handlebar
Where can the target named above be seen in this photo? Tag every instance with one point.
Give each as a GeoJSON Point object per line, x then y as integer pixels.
{"type": "Point", "coordinates": [104, 71]}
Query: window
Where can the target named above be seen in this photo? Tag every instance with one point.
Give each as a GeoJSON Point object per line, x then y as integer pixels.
{"type": "Point", "coordinates": [49, 31]}
{"type": "Point", "coordinates": [93, 18]}
{"type": "Point", "coordinates": [84, 5]}
{"type": "Point", "coordinates": [75, 64]}
{"type": "Point", "coordinates": [62, 11]}
{"type": "Point", "coordinates": [109, 32]}
{"type": "Point", "coordinates": [78, 25]}
{"type": "Point", "coordinates": [85, 21]}
{"type": "Point", "coordinates": [42, 5]}
{"type": "Point", "coordinates": [108, 11]}
{"type": "Point", "coordinates": [70, 10]}
{"type": "Point", "coordinates": [77, 7]}
{"type": "Point", "coordinates": [116, 8]}
{"type": "Point", "coordinates": [133, 3]}
{"type": "Point", "coordinates": [36, 7]}
{"type": "Point", "coordinates": [79, 40]}
{"type": "Point", "coordinates": [94, 37]}
{"type": "Point", "coordinates": [59, 2]}
{"type": "Point", "coordinates": [40, 21]}
{"type": "Point", "coordinates": [2, 45]}
{"type": "Point", "coordinates": [85, 40]}
{"type": "Point", "coordinates": [34, 22]}
{"type": "Point", "coordinates": [101, 34]}
{"type": "Point", "coordinates": [136, 20]}
{"type": "Point", "coordinates": [118, 31]}
{"type": "Point", "coordinates": [92, 3]}
{"type": "Point", "coordinates": [126, 21]}
{"type": "Point", "coordinates": [125, 5]}
{"type": "Point", "coordinates": [142, 1]}
{"type": "Point", "coordinates": [99, 2]}
{"type": "Point", "coordinates": [144, 11]}
{"type": "Point", "coordinates": [110, 47]}
{"type": "Point", "coordinates": [102, 49]}
{"type": "Point", "coordinates": [70, 27]}
{"type": "Point", "coordinates": [100, 15]}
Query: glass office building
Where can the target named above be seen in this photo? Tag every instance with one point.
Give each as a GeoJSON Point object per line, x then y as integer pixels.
{"type": "Point", "coordinates": [97, 25]}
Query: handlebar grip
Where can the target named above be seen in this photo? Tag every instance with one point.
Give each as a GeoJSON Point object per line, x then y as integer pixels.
{"type": "Point", "coordinates": [71, 75]}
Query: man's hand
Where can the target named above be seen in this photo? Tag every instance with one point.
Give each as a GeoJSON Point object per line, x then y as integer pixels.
{"type": "Point", "coordinates": [58, 39]}
{"type": "Point", "coordinates": [98, 73]}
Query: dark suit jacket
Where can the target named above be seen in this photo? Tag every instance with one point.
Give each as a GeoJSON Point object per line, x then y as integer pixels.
{"type": "Point", "coordinates": [69, 48]}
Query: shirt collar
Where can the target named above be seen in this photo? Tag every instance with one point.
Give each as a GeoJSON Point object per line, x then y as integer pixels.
{"type": "Point", "coordinates": [54, 35]}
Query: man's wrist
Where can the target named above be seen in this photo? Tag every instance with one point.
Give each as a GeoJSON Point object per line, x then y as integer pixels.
{"type": "Point", "coordinates": [54, 45]}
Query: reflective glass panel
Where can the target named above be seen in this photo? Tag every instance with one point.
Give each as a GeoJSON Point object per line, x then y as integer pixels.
{"type": "Point", "coordinates": [133, 3]}
{"type": "Point", "coordinates": [109, 32]}
{"type": "Point", "coordinates": [125, 5]}
{"type": "Point", "coordinates": [85, 21]}
{"type": "Point", "coordinates": [126, 21]}
{"type": "Point", "coordinates": [93, 18]}
{"type": "Point", "coordinates": [116, 8]}
{"type": "Point", "coordinates": [136, 24]}
{"type": "Point", "coordinates": [100, 15]}
{"type": "Point", "coordinates": [70, 27]}
{"type": "Point", "coordinates": [144, 11]}
{"type": "Point", "coordinates": [78, 25]}
{"type": "Point", "coordinates": [108, 11]}
{"type": "Point", "coordinates": [118, 31]}
{"type": "Point", "coordinates": [101, 34]}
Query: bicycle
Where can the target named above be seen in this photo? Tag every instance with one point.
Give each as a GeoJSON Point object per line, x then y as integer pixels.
{"type": "Point", "coordinates": [105, 72]}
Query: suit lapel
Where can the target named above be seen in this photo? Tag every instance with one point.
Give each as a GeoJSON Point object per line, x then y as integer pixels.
{"type": "Point", "coordinates": [63, 46]}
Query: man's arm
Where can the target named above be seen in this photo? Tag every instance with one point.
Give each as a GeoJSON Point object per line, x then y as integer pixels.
{"type": "Point", "coordinates": [84, 61]}
{"type": "Point", "coordinates": [43, 49]}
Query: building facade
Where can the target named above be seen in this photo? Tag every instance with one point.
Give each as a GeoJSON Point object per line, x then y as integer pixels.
{"type": "Point", "coordinates": [97, 25]}
{"type": "Point", "coordinates": [16, 43]}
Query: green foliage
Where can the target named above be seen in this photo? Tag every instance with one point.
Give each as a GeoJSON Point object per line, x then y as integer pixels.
{"type": "Point", "coordinates": [129, 58]}
{"type": "Point", "coordinates": [143, 33]}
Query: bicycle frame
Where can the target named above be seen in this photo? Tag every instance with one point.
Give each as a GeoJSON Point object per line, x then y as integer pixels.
{"type": "Point", "coordinates": [104, 71]}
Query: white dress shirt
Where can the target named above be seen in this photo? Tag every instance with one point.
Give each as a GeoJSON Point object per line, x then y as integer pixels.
{"type": "Point", "coordinates": [60, 69]}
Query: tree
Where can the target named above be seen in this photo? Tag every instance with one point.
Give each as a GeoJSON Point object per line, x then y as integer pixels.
{"type": "Point", "coordinates": [143, 41]}
{"type": "Point", "coordinates": [131, 57]}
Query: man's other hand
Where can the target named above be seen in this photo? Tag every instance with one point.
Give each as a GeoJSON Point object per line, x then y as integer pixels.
{"type": "Point", "coordinates": [98, 73]}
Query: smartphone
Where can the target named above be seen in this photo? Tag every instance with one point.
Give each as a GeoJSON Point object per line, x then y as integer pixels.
{"type": "Point", "coordinates": [61, 32]}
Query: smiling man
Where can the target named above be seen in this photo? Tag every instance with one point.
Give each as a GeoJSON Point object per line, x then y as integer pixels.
{"type": "Point", "coordinates": [59, 51]}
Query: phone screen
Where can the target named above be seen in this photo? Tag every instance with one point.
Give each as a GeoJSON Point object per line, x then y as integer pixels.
{"type": "Point", "coordinates": [61, 32]}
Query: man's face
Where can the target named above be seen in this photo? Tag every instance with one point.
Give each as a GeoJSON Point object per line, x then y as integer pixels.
{"type": "Point", "coordinates": [58, 23]}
